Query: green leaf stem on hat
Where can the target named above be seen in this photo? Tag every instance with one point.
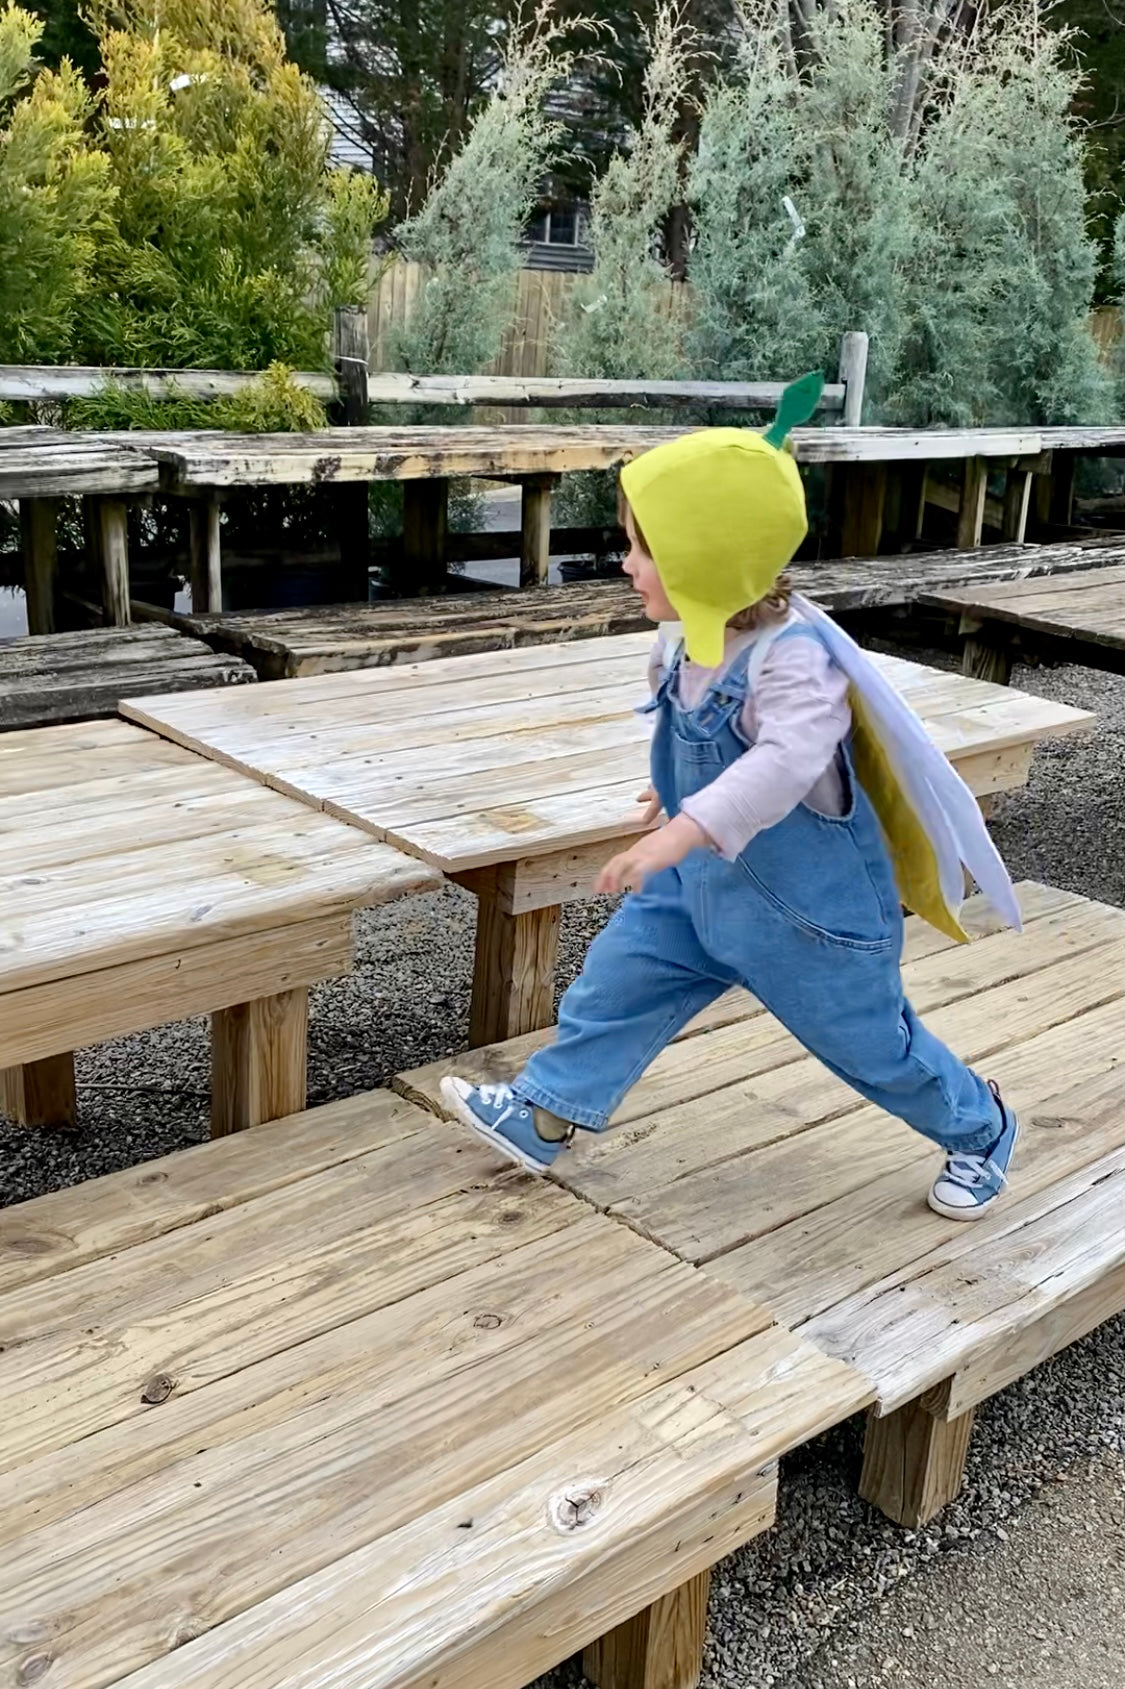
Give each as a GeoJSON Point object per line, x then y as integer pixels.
{"type": "Point", "coordinates": [796, 405]}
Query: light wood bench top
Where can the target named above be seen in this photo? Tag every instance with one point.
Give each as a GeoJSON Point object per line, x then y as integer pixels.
{"type": "Point", "coordinates": [118, 846]}
{"type": "Point", "coordinates": [46, 678]}
{"type": "Point", "coordinates": [319, 640]}
{"type": "Point", "coordinates": [510, 754]}
{"type": "Point", "coordinates": [1086, 607]}
{"type": "Point", "coordinates": [54, 462]}
{"type": "Point", "coordinates": [743, 1155]}
{"type": "Point", "coordinates": [339, 1399]}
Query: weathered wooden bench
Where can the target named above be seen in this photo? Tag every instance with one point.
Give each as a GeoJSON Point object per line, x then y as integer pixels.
{"type": "Point", "coordinates": [141, 884]}
{"type": "Point", "coordinates": [1079, 618]}
{"type": "Point", "coordinates": [51, 678]}
{"type": "Point", "coordinates": [341, 1400]}
{"type": "Point", "coordinates": [745, 1158]}
{"type": "Point", "coordinates": [285, 644]}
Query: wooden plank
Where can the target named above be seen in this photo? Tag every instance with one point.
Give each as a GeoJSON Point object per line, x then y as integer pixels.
{"type": "Point", "coordinates": [543, 392]}
{"type": "Point", "coordinates": [914, 1464]}
{"type": "Point", "coordinates": [526, 1590]}
{"type": "Point", "coordinates": [1078, 1124]}
{"type": "Point", "coordinates": [35, 383]}
{"type": "Point", "coordinates": [69, 1228]}
{"type": "Point", "coordinates": [41, 1092]}
{"type": "Point", "coordinates": [409, 1351]}
{"type": "Point", "coordinates": [259, 1055]}
{"type": "Point", "coordinates": [430, 1438]}
{"type": "Point", "coordinates": [1016, 1353]}
{"type": "Point", "coordinates": [948, 1313]}
{"type": "Point", "coordinates": [71, 1013]}
{"type": "Point", "coordinates": [659, 1648]}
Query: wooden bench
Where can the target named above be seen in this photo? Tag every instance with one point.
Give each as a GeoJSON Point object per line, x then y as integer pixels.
{"type": "Point", "coordinates": [51, 678]}
{"type": "Point", "coordinates": [747, 1159]}
{"type": "Point", "coordinates": [286, 644]}
{"type": "Point", "coordinates": [1080, 618]}
{"type": "Point", "coordinates": [142, 884]}
{"type": "Point", "coordinates": [517, 773]}
{"type": "Point", "coordinates": [342, 1400]}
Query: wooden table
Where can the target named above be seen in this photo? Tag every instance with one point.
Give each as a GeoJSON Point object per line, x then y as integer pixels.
{"type": "Point", "coordinates": [142, 884]}
{"type": "Point", "coordinates": [343, 1402]}
{"type": "Point", "coordinates": [1078, 618]}
{"type": "Point", "coordinates": [517, 772]}
{"type": "Point", "coordinates": [39, 466]}
{"type": "Point", "coordinates": [426, 459]}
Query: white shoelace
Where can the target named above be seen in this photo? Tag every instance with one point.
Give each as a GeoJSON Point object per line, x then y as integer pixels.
{"type": "Point", "coordinates": [971, 1171]}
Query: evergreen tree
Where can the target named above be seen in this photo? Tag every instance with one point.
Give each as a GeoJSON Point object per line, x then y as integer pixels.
{"type": "Point", "coordinates": [754, 316]}
{"type": "Point", "coordinates": [619, 322]}
{"type": "Point", "coordinates": [467, 235]}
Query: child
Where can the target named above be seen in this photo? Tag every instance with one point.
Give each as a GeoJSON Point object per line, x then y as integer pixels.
{"type": "Point", "coordinates": [771, 869]}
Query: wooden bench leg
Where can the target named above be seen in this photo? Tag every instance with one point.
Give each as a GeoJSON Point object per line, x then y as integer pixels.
{"type": "Point", "coordinates": [987, 653]}
{"type": "Point", "coordinates": [259, 1058]}
{"type": "Point", "coordinates": [40, 1093]}
{"type": "Point", "coordinates": [425, 529]}
{"type": "Point", "coordinates": [39, 525]}
{"type": "Point", "coordinates": [206, 557]}
{"type": "Point", "coordinates": [114, 545]}
{"type": "Point", "coordinates": [1017, 503]}
{"type": "Point", "coordinates": [914, 1463]}
{"type": "Point", "coordinates": [535, 535]}
{"type": "Point", "coordinates": [514, 973]}
{"type": "Point", "coordinates": [661, 1648]}
{"type": "Point", "coordinates": [970, 517]}
{"type": "Point", "coordinates": [865, 496]}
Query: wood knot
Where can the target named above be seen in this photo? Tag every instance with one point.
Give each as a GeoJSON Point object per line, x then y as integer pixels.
{"type": "Point", "coordinates": [158, 1389]}
{"type": "Point", "coordinates": [33, 1668]}
{"type": "Point", "coordinates": [487, 1322]}
{"type": "Point", "coordinates": [578, 1505]}
{"type": "Point", "coordinates": [28, 1245]}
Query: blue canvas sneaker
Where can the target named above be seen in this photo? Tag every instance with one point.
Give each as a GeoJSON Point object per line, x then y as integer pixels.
{"type": "Point", "coordinates": [969, 1185]}
{"type": "Point", "coordinates": [496, 1114]}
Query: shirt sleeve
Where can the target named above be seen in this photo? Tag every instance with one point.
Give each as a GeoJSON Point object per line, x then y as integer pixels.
{"type": "Point", "coordinates": [802, 715]}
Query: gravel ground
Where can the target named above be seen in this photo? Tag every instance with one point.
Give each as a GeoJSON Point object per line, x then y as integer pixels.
{"type": "Point", "coordinates": [796, 1609]}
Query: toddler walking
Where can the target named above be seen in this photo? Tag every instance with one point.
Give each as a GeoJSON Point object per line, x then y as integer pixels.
{"type": "Point", "coordinates": [771, 868]}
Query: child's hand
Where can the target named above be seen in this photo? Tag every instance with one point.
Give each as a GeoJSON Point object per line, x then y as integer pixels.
{"type": "Point", "coordinates": [652, 805]}
{"type": "Point", "coordinates": [629, 870]}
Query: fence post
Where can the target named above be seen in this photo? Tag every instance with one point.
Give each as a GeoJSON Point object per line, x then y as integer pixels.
{"type": "Point", "coordinates": [853, 375]}
{"type": "Point", "coordinates": [350, 351]}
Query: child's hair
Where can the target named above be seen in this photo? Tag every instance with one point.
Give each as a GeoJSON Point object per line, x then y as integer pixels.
{"type": "Point", "coordinates": [774, 607]}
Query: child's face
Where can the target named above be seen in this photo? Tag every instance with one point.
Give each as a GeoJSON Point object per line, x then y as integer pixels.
{"type": "Point", "coordinates": [642, 571]}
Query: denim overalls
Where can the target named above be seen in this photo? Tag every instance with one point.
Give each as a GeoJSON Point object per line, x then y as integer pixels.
{"type": "Point", "coordinates": [807, 918]}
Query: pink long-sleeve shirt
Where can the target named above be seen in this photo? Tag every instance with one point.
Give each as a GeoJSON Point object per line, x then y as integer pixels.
{"type": "Point", "coordinates": [797, 717]}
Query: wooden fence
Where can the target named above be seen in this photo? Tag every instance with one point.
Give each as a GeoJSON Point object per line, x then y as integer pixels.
{"type": "Point", "coordinates": [541, 301]}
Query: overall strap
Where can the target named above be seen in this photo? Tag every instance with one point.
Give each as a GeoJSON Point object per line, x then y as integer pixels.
{"type": "Point", "coordinates": [764, 644]}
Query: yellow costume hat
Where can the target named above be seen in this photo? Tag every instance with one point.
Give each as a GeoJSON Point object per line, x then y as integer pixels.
{"type": "Point", "coordinates": [722, 513]}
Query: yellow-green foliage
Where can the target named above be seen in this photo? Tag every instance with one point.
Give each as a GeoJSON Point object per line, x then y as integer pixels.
{"type": "Point", "coordinates": [55, 197]}
{"type": "Point", "coordinates": [274, 403]}
{"type": "Point", "coordinates": [232, 239]}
